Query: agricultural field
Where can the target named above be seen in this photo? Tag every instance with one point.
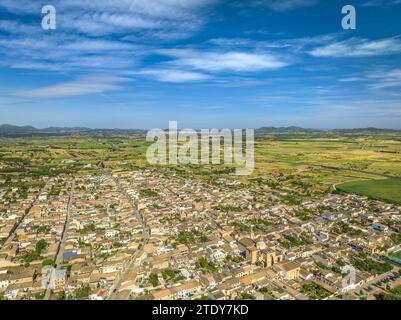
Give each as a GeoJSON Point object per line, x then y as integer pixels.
{"type": "Point", "coordinates": [397, 255]}
{"type": "Point", "coordinates": [385, 190]}
{"type": "Point", "coordinates": [301, 164]}
{"type": "Point", "coordinates": [324, 161]}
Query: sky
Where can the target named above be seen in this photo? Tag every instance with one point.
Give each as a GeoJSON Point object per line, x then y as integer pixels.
{"type": "Point", "coordinates": [137, 64]}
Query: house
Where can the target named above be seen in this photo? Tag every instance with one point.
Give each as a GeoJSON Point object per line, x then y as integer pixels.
{"type": "Point", "coordinates": [208, 280]}
{"type": "Point", "coordinates": [98, 295]}
{"type": "Point", "coordinates": [217, 295]}
{"type": "Point", "coordinates": [165, 294]}
{"type": "Point", "coordinates": [288, 270]}
{"type": "Point", "coordinates": [253, 278]}
{"type": "Point", "coordinates": [186, 290]}
{"type": "Point", "coordinates": [111, 267]}
{"type": "Point", "coordinates": [305, 274]}
{"type": "Point", "coordinates": [230, 286]}
{"type": "Point", "coordinates": [110, 234]}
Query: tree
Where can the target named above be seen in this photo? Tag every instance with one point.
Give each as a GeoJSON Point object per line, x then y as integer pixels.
{"type": "Point", "coordinates": [154, 279]}
{"type": "Point", "coordinates": [40, 246]}
{"type": "Point", "coordinates": [47, 262]}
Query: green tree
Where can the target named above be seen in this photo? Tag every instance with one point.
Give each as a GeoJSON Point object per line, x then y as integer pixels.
{"type": "Point", "coordinates": [154, 279]}
{"type": "Point", "coordinates": [40, 246]}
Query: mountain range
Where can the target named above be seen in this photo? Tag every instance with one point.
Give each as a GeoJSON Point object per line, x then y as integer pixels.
{"type": "Point", "coordinates": [7, 129]}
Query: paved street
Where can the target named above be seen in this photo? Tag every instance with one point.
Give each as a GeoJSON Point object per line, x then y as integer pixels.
{"type": "Point", "coordinates": [60, 251]}
{"type": "Point", "coordinates": [26, 212]}
{"type": "Point", "coordinates": [145, 238]}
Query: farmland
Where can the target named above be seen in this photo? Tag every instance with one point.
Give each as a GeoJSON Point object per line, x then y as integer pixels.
{"type": "Point", "coordinates": [386, 190]}
{"type": "Point", "coordinates": [301, 164]}
{"type": "Point", "coordinates": [303, 188]}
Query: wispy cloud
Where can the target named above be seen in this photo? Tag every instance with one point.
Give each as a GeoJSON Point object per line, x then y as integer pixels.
{"type": "Point", "coordinates": [14, 27]}
{"type": "Point", "coordinates": [359, 48]}
{"type": "Point", "coordinates": [110, 17]}
{"type": "Point", "coordinates": [286, 5]}
{"type": "Point", "coordinates": [173, 76]}
{"type": "Point", "coordinates": [350, 79]}
{"type": "Point", "coordinates": [293, 45]}
{"type": "Point", "coordinates": [82, 86]}
{"type": "Point", "coordinates": [376, 3]}
{"type": "Point", "coordinates": [102, 34]}
{"type": "Point", "coordinates": [378, 79]}
{"type": "Point", "coordinates": [231, 61]}
{"type": "Point", "coordinates": [385, 79]}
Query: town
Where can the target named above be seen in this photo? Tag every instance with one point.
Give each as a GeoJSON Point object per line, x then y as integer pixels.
{"type": "Point", "coordinates": [154, 235]}
{"type": "Point", "coordinates": [275, 173]}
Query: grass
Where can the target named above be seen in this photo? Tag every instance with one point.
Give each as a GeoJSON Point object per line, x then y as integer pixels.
{"type": "Point", "coordinates": [384, 190]}
{"type": "Point", "coordinates": [396, 254]}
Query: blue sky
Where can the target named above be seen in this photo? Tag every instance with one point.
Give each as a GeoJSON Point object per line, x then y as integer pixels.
{"type": "Point", "coordinates": [204, 63]}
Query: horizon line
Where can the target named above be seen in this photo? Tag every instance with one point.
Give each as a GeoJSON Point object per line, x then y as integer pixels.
{"type": "Point", "coordinates": [166, 129]}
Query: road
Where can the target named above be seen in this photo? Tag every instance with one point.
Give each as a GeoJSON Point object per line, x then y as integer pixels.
{"type": "Point", "coordinates": [61, 245]}
{"type": "Point", "coordinates": [127, 268]}
{"type": "Point", "coordinates": [26, 212]}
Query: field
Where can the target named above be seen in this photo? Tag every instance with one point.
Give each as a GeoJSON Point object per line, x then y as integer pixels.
{"type": "Point", "coordinates": [300, 164]}
{"type": "Point", "coordinates": [386, 189]}
{"type": "Point", "coordinates": [397, 254]}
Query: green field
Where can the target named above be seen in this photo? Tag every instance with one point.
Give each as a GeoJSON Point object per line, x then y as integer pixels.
{"type": "Point", "coordinates": [396, 254]}
{"type": "Point", "coordinates": [302, 165]}
{"type": "Point", "coordinates": [386, 190]}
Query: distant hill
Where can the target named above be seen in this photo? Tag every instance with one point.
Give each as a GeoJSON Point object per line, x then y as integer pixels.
{"type": "Point", "coordinates": [365, 130]}
{"type": "Point", "coordinates": [7, 129]}
{"type": "Point", "coordinates": [291, 129]}
{"type": "Point", "coordinates": [294, 130]}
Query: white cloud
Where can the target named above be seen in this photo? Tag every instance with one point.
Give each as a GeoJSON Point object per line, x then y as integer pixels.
{"type": "Point", "coordinates": [232, 61]}
{"type": "Point", "coordinates": [377, 79]}
{"type": "Point", "coordinates": [118, 16]}
{"type": "Point", "coordinates": [286, 5]}
{"type": "Point", "coordinates": [359, 48]}
{"type": "Point", "coordinates": [96, 45]}
{"type": "Point", "coordinates": [350, 79]}
{"type": "Point", "coordinates": [67, 52]}
{"type": "Point", "coordinates": [293, 45]}
{"type": "Point", "coordinates": [14, 27]}
{"type": "Point", "coordinates": [376, 3]}
{"type": "Point", "coordinates": [95, 35]}
{"type": "Point", "coordinates": [385, 79]}
{"type": "Point", "coordinates": [174, 76]}
{"type": "Point", "coordinates": [82, 86]}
